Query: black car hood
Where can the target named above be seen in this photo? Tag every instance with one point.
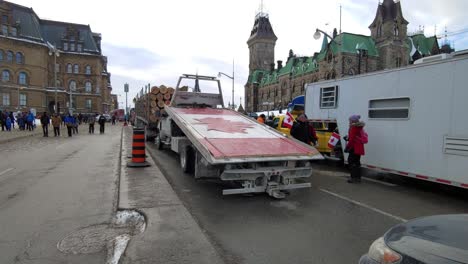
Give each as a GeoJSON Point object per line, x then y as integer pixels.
{"type": "Point", "coordinates": [440, 239]}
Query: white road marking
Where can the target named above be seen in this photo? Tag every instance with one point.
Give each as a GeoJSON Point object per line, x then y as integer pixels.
{"type": "Point", "coordinates": [364, 205]}
{"type": "Point", "coordinates": [5, 171]}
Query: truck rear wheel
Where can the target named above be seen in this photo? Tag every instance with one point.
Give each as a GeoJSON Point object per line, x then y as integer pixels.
{"type": "Point", "coordinates": [187, 160]}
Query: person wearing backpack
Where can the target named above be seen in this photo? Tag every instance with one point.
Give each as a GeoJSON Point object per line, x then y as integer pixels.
{"type": "Point", "coordinates": [356, 138]}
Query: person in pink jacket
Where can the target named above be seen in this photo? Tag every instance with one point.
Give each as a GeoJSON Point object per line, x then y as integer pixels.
{"type": "Point", "coordinates": [356, 138]}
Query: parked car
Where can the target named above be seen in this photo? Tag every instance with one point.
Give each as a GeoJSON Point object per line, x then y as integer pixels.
{"type": "Point", "coordinates": [439, 239]}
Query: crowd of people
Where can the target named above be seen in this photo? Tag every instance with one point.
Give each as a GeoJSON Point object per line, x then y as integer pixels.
{"type": "Point", "coordinates": [27, 121]}
{"type": "Point", "coordinates": [24, 121]}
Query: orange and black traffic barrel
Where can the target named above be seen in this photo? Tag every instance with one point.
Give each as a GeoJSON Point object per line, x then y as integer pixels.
{"type": "Point", "coordinates": [138, 149]}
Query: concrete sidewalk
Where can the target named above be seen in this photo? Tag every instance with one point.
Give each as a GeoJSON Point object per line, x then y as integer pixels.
{"type": "Point", "coordinates": [14, 134]}
{"type": "Point", "coordinates": [171, 235]}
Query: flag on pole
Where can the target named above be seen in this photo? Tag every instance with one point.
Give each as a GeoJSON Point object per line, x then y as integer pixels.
{"type": "Point", "coordinates": [335, 137]}
{"type": "Point", "coordinates": [288, 120]}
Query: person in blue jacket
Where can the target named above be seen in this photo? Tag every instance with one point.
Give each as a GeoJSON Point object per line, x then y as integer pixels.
{"type": "Point", "coordinates": [70, 123]}
{"type": "Point", "coordinates": [30, 120]}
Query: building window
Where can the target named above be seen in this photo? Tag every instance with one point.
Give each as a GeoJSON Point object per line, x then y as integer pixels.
{"type": "Point", "coordinates": [4, 19]}
{"type": "Point", "coordinates": [5, 30]}
{"type": "Point", "coordinates": [72, 46]}
{"type": "Point", "coordinates": [329, 97]}
{"type": "Point", "coordinates": [69, 68]}
{"type": "Point", "coordinates": [23, 99]}
{"type": "Point", "coordinates": [6, 99]}
{"type": "Point", "coordinates": [19, 58]}
{"type": "Point", "coordinates": [57, 67]}
{"type": "Point", "coordinates": [79, 47]}
{"type": "Point", "coordinates": [76, 68]}
{"type": "Point", "coordinates": [98, 90]}
{"type": "Point", "coordinates": [88, 70]}
{"type": "Point", "coordinates": [10, 56]}
{"type": "Point", "coordinates": [88, 104]}
{"type": "Point", "coordinates": [65, 46]}
{"type": "Point", "coordinates": [14, 32]}
{"type": "Point", "coordinates": [88, 86]}
{"type": "Point", "coordinates": [1, 55]}
{"type": "Point", "coordinates": [396, 31]}
{"type": "Point", "coordinates": [379, 30]}
{"type": "Point", "coordinates": [22, 78]}
{"type": "Point", "coordinates": [389, 108]}
{"type": "Point", "coordinates": [72, 38]}
{"type": "Point", "coordinates": [72, 86]}
{"type": "Point", "coordinates": [6, 76]}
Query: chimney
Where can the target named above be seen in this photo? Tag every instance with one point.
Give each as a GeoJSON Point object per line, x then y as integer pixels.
{"type": "Point", "coordinates": [280, 65]}
{"type": "Point", "coordinates": [272, 67]}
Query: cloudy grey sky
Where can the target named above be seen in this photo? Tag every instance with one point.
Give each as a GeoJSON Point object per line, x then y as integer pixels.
{"type": "Point", "coordinates": [155, 41]}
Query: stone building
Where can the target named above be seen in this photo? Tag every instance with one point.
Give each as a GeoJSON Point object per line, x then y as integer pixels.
{"type": "Point", "coordinates": [272, 86]}
{"type": "Point", "coordinates": [27, 68]}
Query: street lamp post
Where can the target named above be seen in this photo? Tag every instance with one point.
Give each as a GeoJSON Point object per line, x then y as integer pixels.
{"type": "Point", "coordinates": [53, 51]}
{"type": "Point", "coordinates": [126, 88]}
{"type": "Point", "coordinates": [232, 78]}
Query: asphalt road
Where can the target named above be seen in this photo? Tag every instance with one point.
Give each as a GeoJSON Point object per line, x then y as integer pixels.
{"type": "Point", "coordinates": [52, 187]}
{"type": "Point", "coordinates": [333, 222]}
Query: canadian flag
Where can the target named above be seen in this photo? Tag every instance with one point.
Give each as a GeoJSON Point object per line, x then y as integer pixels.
{"type": "Point", "coordinates": [335, 137]}
{"type": "Point", "coordinates": [288, 120]}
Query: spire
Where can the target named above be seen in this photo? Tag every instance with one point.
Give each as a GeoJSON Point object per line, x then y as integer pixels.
{"type": "Point", "coordinates": [262, 27]}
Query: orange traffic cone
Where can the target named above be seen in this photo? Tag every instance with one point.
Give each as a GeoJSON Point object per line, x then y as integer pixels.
{"type": "Point", "coordinates": [138, 149]}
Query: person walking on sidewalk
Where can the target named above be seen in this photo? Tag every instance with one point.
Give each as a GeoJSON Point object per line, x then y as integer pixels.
{"type": "Point", "coordinates": [91, 121]}
{"type": "Point", "coordinates": [12, 117]}
{"type": "Point", "coordinates": [76, 124]}
{"type": "Point", "coordinates": [2, 121]}
{"type": "Point", "coordinates": [30, 120]}
{"type": "Point", "coordinates": [102, 123]}
{"type": "Point", "coordinates": [69, 122]}
{"type": "Point", "coordinates": [113, 119]}
{"type": "Point", "coordinates": [356, 138]}
{"type": "Point", "coordinates": [8, 123]}
{"type": "Point", "coordinates": [56, 120]}
{"type": "Point", "coordinates": [45, 121]}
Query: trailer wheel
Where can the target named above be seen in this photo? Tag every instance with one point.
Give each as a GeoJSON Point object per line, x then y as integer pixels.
{"type": "Point", "coordinates": [187, 160]}
{"type": "Point", "coordinates": [158, 142]}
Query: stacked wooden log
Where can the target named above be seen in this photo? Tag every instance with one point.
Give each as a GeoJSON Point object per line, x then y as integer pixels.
{"type": "Point", "coordinates": [159, 97]}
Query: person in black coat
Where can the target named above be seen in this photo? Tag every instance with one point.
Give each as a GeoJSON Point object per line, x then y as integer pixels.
{"type": "Point", "coordinates": [102, 123]}
{"type": "Point", "coordinates": [45, 120]}
{"type": "Point", "coordinates": [303, 131]}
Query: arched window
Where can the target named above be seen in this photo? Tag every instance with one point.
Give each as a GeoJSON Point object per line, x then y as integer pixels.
{"type": "Point", "coordinates": [6, 76]}
{"type": "Point", "coordinates": [72, 85]}
{"type": "Point", "coordinates": [76, 68]}
{"type": "Point", "coordinates": [22, 78]}
{"type": "Point", "coordinates": [396, 31]}
{"type": "Point", "coordinates": [69, 68]}
{"type": "Point", "coordinates": [19, 58]}
{"type": "Point", "coordinates": [88, 86]}
{"type": "Point", "coordinates": [88, 69]}
{"type": "Point", "coordinates": [10, 56]}
{"type": "Point", "coordinates": [1, 55]}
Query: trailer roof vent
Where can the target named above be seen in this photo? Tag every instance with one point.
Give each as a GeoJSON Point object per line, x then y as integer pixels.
{"type": "Point", "coordinates": [438, 57]}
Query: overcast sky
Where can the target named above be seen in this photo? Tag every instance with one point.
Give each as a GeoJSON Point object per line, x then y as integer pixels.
{"type": "Point", "coordinates": [155, 41]}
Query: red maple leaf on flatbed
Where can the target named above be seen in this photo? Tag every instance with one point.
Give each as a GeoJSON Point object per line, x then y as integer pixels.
{"type": "Point", "coordinates": [223, 125]}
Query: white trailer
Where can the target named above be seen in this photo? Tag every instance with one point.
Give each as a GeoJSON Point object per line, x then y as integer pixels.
{"type": "Point", "coordinates": [216, 142]}
{"type": "Point", "coordinates": [416, 117]}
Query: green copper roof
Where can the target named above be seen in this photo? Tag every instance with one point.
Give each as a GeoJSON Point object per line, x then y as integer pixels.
{"type": "Point", "coordinates": [255, 76]}
{"type": "Point", "coordinates": [350, 43]}
{"type": "Point", "coordinates": [422, 44]}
